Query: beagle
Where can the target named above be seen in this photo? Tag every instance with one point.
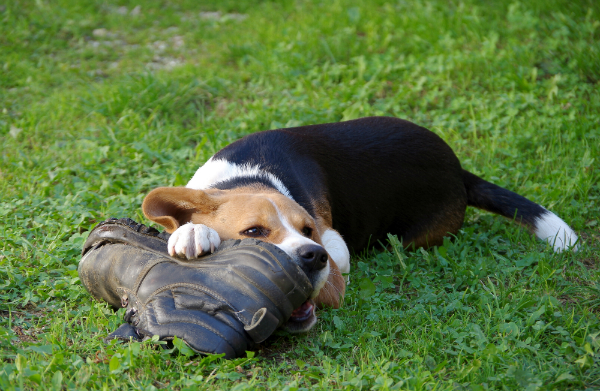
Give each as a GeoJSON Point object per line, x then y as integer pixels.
{"type": "Point", "coordinates": [319, 192]}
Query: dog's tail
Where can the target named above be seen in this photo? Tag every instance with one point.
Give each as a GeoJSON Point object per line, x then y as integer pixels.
{"type": "Point", "coordinates": [540, 221]}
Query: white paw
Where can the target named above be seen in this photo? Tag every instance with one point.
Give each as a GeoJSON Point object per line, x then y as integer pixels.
{"type": "Point", "coordinates": [193, 240]}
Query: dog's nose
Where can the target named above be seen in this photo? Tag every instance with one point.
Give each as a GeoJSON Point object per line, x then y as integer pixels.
{"type": "Point", "coordinates": [314, 257]}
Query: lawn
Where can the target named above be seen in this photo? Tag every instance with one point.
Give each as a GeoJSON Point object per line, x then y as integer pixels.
{"type": "Point", "coordinates": [101, 101]}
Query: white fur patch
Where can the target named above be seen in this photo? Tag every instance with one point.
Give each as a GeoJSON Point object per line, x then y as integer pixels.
{"type": "Point", "coordinates": [215, 171]}
{"type": "Point", "coordinates": [555, 231]}
{"type": "Point", "coordinates": [192, 241]}
{"type": "Point", "coordinates": [337, 249]}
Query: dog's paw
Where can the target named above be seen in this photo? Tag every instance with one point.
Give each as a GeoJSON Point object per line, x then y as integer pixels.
{"type": "Point", "coordinates": [193, 240]}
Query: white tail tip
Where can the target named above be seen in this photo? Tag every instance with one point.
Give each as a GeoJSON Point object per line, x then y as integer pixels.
{"type": "Point", "coordinates": [554, 230]}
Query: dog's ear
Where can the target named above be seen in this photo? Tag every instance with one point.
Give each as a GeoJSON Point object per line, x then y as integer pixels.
{"type": "Point", "coordinates": [172, 207]}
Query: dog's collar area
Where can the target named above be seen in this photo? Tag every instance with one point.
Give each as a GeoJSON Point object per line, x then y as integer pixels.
{"type": "Point", "coordinates": [254, 181]}
{"type": "Point", "coordinates": [220, 171]}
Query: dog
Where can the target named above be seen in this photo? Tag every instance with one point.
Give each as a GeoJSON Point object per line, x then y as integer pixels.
{"type": "Point", "coordinates": [320, 192]}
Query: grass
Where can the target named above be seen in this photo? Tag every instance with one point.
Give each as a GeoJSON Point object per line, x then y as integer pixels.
{"type": "Point", "coordinates": [101, 101]}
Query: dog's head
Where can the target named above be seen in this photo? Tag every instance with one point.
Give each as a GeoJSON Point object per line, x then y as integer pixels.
{"type": "Point", "coordinates": [262, 214]}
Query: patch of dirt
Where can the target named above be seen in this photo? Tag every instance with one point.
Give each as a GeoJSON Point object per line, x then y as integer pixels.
{"type": "Point", "coordinates": [164, 62]}
{"type": "Point", "coordinates": [593, 241]}
{"type": "Point", "coordinates": [275, 348]}
{"type": "Point", "coordinates": [22, 312]}
{"type": "Point", "coordinates": [23, 336]}
{"type": "Point", "coordinates": [567, 300]}
{"type": "Point", "coordinates": [590, 263]}
{"type": "Point", "coordinates": [100, 357]}
{"type": "Point", "coordinates": [218, 16]}
{"type": "Point", "coordinates": [160, 385]}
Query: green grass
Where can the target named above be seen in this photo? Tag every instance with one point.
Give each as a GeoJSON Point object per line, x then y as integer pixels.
{"type": "Point", "coordinates": [100, 103]}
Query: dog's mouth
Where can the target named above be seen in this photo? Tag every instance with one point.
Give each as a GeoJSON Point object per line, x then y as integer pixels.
{"type": "Point", "coordinates": [302, 318]}
{"type": "Point", "coordinates": [304, 312]}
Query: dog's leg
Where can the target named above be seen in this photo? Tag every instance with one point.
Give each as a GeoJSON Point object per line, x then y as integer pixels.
{"type": "Point", "coordinates": [337, 249]}
{"type": "Point", "coordinates": [193, 240]}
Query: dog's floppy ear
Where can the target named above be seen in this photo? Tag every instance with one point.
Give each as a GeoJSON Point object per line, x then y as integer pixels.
{"type": "Point", "coordinates": [172, 207]}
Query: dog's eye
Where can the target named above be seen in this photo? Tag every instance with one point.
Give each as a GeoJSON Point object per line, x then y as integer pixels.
{"type": "Point", "coordinates": [255, 232]}
{"type": "Point", "coordinates": [307, 231]}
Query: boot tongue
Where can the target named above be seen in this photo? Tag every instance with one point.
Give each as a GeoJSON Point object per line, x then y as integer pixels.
{"type": "Point", "coordinates": [303, 312]}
